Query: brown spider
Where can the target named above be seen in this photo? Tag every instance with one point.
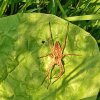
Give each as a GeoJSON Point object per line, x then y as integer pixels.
{"type": "Point", "coordinates": [56, 55]}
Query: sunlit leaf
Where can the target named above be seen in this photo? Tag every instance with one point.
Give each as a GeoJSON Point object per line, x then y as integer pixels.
{"type": "Point", "coordinates": [24, 38]}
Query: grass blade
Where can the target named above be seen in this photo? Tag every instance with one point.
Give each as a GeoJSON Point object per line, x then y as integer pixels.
{"type": "Point", "coordinates": [61, 8]}
{"type": "Point", "coordinates": [3, 7]}
{"type": "Point", "coordinates": [83, 17]}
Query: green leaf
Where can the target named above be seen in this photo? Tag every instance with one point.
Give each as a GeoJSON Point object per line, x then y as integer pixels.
{"type": "Point", "coordinates": [24, 38]}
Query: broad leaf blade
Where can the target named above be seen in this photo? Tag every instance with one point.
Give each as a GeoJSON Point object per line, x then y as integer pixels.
{"type": "Point", "coordinates": [24, 38]}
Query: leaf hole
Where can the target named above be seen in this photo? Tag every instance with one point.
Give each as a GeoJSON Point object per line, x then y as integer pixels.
{"type": "Point", "coordinates": [43, 41]}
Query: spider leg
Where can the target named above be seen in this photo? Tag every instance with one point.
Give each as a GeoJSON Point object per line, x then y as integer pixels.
{"type": "Point", "coordinates": [48, 73]}
{"type": "Point", "coordinates": [64, 43]}
{"type": "Point", "coordinates": [60, 73]}
{"type": "Point", "coordinates": [49, 70]}
{"type": "Point", "coordinates": [44, 80]}
{"type": "Point", "coordinates": [45, 55]}
{"type": "Point", "coordinates": [71, 55]}
{"type": "Point", "coordinates": [50, 39]}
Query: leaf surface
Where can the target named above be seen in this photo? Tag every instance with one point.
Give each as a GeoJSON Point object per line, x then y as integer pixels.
{"type": "Point", "coordinates": [24, 38]}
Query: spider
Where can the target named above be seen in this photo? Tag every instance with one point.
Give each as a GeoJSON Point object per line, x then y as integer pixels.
{"type": "Point", "coordinates": [56, 55]}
